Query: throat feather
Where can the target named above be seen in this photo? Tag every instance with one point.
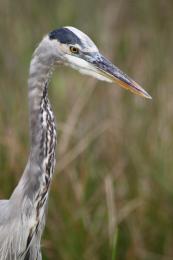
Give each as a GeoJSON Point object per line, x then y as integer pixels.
{"type": "Point", "coordinates": [47, 147]}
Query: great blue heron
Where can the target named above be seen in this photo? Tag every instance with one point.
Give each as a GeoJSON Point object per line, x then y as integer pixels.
{"type": "Point", "coordinates": [22, 217]}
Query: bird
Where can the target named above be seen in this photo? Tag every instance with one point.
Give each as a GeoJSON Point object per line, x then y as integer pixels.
{"type": "Point", "coordinates": [22, 216]}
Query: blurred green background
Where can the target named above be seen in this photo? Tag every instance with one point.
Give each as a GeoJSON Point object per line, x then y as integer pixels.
{"type": "Point", "coordinates": [112, 194]}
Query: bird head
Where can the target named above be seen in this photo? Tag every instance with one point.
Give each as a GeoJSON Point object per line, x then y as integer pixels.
{"type": "Point", "coordinates": [75, 49]}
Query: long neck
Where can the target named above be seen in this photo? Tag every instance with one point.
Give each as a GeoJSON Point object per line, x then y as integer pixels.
{"type": "Point", "coordinates": [37, 176]}
{"type": "Point", "coordinates": [42, 130]}
{"type": "Point", "coordinates": [40, 113]}
{"type": "Point", "coordinates": [42, 125]}
{"type": "Point", "coordinates": [31, 193]}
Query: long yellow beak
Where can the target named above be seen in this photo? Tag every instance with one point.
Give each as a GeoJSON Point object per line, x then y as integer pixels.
{"type": "Point", "coordinates": [114, 74]}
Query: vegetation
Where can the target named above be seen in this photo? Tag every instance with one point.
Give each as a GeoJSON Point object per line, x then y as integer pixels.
{"type": "Point", "coordinates": [112, 195]}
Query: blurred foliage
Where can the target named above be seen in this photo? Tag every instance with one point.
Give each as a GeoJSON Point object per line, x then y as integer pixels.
{"type": "Point", "coordinates": [112, 194]}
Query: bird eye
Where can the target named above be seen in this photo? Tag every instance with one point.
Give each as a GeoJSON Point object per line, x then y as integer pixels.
{"type": "Point", "coordinates": [74, 50]}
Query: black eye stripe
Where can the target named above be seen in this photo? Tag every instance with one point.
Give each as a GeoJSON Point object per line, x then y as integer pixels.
{"type": "Point", "coordinates": [64, 35]}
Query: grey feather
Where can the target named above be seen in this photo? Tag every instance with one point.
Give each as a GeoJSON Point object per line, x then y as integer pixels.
{"type": "Point", "coordinates": [22, 217]}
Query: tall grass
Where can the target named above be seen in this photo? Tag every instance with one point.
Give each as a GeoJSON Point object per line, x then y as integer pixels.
{"type": "Point", "coordinates": [112, 195]}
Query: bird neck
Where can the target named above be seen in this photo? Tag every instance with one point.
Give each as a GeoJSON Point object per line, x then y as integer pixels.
{"type": "Point", "coordinates": [39, 76]}
{"type": "Point", "coordinates": [42, 124]}
{"type": "Point", "coordinates": [31, 193]}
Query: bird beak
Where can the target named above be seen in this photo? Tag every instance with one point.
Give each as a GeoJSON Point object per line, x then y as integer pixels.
{"type": "Point", "coordinates": [109, 71]}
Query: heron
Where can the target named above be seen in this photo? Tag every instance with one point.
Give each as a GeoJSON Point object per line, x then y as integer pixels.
{"type": "Point", "coordinates": [22, 216]}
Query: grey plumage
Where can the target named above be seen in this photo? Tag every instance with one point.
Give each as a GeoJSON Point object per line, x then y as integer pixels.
{"type": "Point", "coordinates": [22, 217]}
